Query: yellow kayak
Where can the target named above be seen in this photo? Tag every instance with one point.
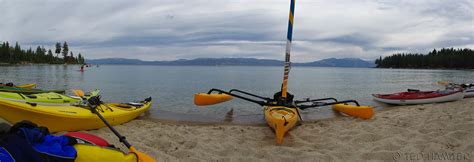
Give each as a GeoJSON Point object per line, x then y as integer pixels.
{"type": "Point", "coordinates": [27, 86]}
{"type": "Point", "coordinates": [281, 119]}
{"type": "Point", "coordinates": [89, 153]}
{"type": "Point", "coordinates": [68, 117]}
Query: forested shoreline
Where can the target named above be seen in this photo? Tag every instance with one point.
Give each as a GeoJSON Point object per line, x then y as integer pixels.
{"type": "Point", "coordinates": [14, 54]}
{"type": "Point", "coordinates": [445, 58]}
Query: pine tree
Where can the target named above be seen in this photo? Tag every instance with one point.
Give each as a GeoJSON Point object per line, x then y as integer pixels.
{"type": "Point", "coordinates": [65, 51]}
{"type": "Point", "coordinates": [445, 58]}
{"type": "Point", "coordinates": [71, 58]}
{"type": "Point", "coordinates": [15, 55]}
{"type": "Point", "coordinates": [58, 49]}
{"type": "Point", "coordinates": [50, 57]}
{"type": "Point", "coordinates": [80, 59]}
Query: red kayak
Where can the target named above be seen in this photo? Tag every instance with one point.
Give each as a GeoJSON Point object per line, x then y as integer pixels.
{"type": "Point", "coordinates": [419, 97]}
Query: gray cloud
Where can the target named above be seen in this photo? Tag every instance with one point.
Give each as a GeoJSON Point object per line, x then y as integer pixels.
{"type": "Point", "coordinates": [180, 29]}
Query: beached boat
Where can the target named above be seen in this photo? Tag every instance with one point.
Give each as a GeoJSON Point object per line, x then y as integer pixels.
{"type": "Point", "coordinates": [468, 88]}
{"type": "Point", "coordinates": [71, 117]}
{"type": "Point", "coordinates": [282, 112]}
{"type": "Point", "coordinates": [281, 119]}
{"type": "Point", "coordinates": [26, 90]}
{"type": "Point", "coordinates": [27, 86]}
{"type": "Point", "coordinates": [419, 97]}
{"type": "Point", "coordinates": [469, 92]}
{"type": "Point", "coordinates": [50, 97]}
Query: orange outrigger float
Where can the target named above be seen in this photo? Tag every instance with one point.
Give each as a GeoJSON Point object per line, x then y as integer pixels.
{"type": "Point", "coordinates": [282, 112]}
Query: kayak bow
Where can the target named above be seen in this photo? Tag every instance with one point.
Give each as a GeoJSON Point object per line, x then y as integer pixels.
{"type": "Point", "coordinates": [281, 119]}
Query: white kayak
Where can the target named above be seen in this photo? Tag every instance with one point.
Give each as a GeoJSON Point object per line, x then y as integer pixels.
{"type": "Point", "coordinates": [419, 97]}
{"type": "Point", "coordinates": [469, 92]}
{"type": "Point", "coordinates": [467, 87]}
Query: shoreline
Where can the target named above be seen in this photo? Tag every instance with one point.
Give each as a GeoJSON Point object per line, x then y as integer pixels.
{"type": "Point", "coordinates": [392, 134]}
{"type": "Point", "coordinates": [431, 128]}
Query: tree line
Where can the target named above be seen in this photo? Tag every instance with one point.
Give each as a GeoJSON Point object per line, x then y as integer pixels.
{"type": "Point", "coordinates": [16, 55]}
{"type": "Point", "coordinates": [446, 58]}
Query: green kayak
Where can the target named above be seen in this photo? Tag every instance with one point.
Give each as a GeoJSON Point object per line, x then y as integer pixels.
{"type": "Point", "coordinates": [26, 90]}
{"type": "Point", "coordinates": [50, 97]}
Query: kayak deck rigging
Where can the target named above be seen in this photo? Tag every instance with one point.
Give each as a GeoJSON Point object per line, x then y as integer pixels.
{"type": "Point", "coordinates": [283, 114]}
{"type": "Point", "coordinates": [266, 101]}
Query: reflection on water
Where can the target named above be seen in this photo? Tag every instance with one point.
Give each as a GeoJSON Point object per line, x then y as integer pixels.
{"type": "Point", "coordinates": [172, 87]}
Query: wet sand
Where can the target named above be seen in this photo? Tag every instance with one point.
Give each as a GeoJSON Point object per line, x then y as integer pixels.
{"type": "Point", "coordinates": [402, 133]}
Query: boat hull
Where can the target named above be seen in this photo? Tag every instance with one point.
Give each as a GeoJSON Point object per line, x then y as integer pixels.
{"type": "Point", "coordinates": [27, 90]}
{"type": "Point", "coordinates": [454, 96]}
{"type": "Point", "coordinates": [69, 118]}
{"type": "Point", "coordinates": [281, 119]}
{"type": "Point", "coordinates": [27, 86]}
{"type": "Point", "coordinates": [469, 92]}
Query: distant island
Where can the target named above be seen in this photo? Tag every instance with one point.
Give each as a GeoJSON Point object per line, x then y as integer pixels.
{"type": "Point", "coordinates": [16, 55]}
{"type": "Point", "coordinates": [446, 58]}
{"type": "Point", "coordinates": [331, 62]}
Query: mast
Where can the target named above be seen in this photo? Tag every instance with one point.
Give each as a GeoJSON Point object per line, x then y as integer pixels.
{"type": "Point", "coordinates": [289, 35]}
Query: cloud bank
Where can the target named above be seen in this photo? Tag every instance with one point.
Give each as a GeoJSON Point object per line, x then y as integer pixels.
{"type": "Point", "coordinates": [181, 29]}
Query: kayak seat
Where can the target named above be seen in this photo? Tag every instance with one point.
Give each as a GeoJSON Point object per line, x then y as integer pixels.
{"type": "Point", "coordinates": [82, 137]}
{"type": "Point", "coordinates": [55, 98]}
{"type": "Point", "coordinates": [134, 104]}
{"type": "Point", "coordinates": [126, 106]}
{"type": "Point", "coordinates": [31, 96]}
{"type": "Point", "coordinates": [413, 90]}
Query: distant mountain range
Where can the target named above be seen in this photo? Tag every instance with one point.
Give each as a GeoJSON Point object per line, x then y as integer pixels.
{"type": "Point", "coordinates": [330, 62]}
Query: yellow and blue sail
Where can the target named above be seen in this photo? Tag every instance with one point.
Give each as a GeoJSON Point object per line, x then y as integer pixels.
{"type": "Point", "coordinates": [289, 36]}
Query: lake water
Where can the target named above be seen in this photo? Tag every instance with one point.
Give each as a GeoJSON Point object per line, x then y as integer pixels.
{"type": "Point", "coordinates": [172, 87]}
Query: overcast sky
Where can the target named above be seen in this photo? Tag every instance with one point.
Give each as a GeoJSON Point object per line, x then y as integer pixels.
{"type": "Point", "coordinates": [187, 29]}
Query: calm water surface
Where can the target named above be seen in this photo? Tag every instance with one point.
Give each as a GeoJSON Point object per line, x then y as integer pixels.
{"type": "Point", "coordinates": [172, 87]}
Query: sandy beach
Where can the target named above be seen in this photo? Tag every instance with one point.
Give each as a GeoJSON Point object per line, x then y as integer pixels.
{"type": "Point", "coordinates": [393, 133]}
{"type": "Point", "coordinates": [420, 132]}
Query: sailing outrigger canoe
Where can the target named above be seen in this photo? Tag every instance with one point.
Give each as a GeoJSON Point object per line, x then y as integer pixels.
{"type": "Point", "coordinates": [282, 112]}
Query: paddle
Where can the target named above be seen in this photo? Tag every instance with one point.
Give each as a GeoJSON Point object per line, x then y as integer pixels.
{"type": "Point", "coordinates": [93, 103]}
{"type": "Point", "coordinates": [78, 92]}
